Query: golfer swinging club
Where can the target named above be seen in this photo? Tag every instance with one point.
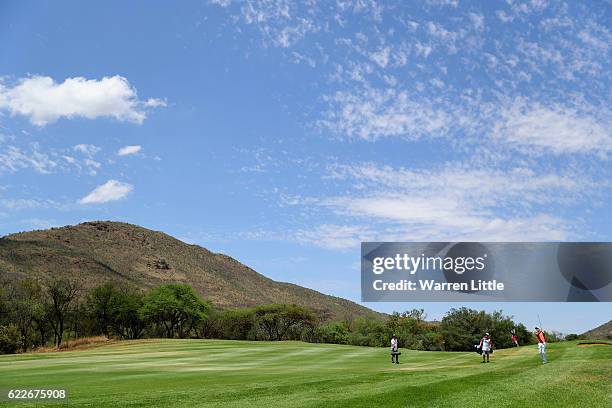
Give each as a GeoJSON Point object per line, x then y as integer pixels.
{"type": "Point", "coordinates": [394, 353]}
{"type": "Point", "coordinates": [486, 345]}
{"type": "Point", "coordinates": [514, 337]}
{"type": "Point", "coordinates": [539, 333]}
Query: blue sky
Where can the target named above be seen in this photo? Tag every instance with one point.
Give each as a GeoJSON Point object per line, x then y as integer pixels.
{"type": "Point", "coordinates": [283, 134]}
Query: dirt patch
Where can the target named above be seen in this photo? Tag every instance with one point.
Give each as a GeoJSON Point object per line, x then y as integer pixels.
{"type": "Point", "coordinates": [594, 344]}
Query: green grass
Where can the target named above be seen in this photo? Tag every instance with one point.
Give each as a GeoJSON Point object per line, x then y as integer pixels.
{"type": "Point", "coordinates": [220, 373]}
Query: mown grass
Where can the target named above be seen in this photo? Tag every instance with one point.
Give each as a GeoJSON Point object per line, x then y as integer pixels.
{"type": "Point", "coordinates": [217, 373]}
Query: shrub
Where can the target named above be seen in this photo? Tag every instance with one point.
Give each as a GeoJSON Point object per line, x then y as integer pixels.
{"type": "Point", "coordinates": [331, 332]}
{"type": "Point", "coordinates": [10, 339]}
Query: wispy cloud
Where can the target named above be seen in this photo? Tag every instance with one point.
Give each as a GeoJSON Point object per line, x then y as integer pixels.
{"type": "Point", "coordinates": [555, 129]}
{"type": "Point", "coordinates": [522, 87]}
{"type": "Point", "coordinates": [334, 236]}
{"type": "Point", "coordinates": [86, 149]}
{"type": "Point", "coordinates": [454, 202]}
{"type": "Point", "coordinates": [14, 158]}
{"type": "Point", "coordinates": [43, 101]}
{"type": "Point", "coordinates": [374, 113]}
{"type": "Point", "coordinates": [26, 203]}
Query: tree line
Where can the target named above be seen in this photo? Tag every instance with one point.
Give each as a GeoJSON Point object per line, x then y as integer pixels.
{"type": "Point", "coordinates": [33, 315]}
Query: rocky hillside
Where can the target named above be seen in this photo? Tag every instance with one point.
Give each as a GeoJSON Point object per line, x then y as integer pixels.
{"type": "Point", "coordinates": [97, 252]}
{"type": "Point", "coordinates": [603, 332]}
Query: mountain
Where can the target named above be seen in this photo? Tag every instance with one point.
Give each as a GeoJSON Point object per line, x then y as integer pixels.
{"type": "Point", "coordinates": [603, 332]}
{"type": "Point", "coordinates": [103, 251]}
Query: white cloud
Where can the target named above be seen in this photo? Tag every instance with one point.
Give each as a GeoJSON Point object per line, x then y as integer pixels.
{"type": "Point", "coordinates": [451, 3]}
{"type": "Point", "coordinates": [454, 202]}
{"type": "Point", "coordinates": [278, 21]}
{"type": "Point", "coordinates": [341, 237]}
{"type": "Point", "coordinates": [26, 203]}
{"type": "Point", "coordinates": [86, 149]}
{"type": "Point", "coordinates": [14, 158]}
{"type": "Point", "coordinates": [381, 57]}
{"type": "Point", "coordinates": [374, 113]}
{"type": "Point", "coordinates": [112, 190]}
{"type": "Point", "coordinates": [44, 101]}
{"type": "Point", "coordinates": [555, 129]}
{"type": "Point", "coordinates": [332, 236]}
{"type": "Point", "coordinates": [477, 21]}
{"type": "Point", "coordinates": [127, 150]}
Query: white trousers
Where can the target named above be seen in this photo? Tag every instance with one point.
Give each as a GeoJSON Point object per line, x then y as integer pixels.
{"type": "Point", "coordinates": [542, 351]}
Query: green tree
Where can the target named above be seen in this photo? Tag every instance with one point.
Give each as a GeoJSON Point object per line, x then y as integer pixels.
{"type": "Point", "coordinates": [277, 320]}
{"type": "Point", "coordinates": [26, 310]}
{"type": "Point", "coordinates": [174, 307]}
{"type": "Point", "coordinates": [99, 305]}
{"type": "Point", "coordinates": [10, 339]}
{"type": "Point", "coordinates": [464, 327]}
{"type": "Point", "coordinates": [125, 319]}
{"type": "Point", "coordinates": [237, 324]}
{"type": "Point", "coordinates": [61, 294]}
{"type": "Point", "coordinates": [332, 332]}
{"type": "Point", "coordinates": [370, 331]}
{"type": "Point", "coordinates": [573, 336]}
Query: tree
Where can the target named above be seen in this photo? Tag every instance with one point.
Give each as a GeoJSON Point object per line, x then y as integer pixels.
{"type": "Point", "coordinates": [61, 293]}
{"type": "Point", "coordinates": [125, 319]}
{"type": "Point", "coordinates": [10, 339]}
{"type": "Point", "coordinates": [464, 327]}
{"type": "Point", "coordinates": [3, 305]}
{"type": "Point", "coordinates": [27, 309]}
{"type": "Point", "coordinates": [99, 305]}
{"type": "Point", "coordinates": [174, 307]}
{"type": "Point", "coordinates": [370, 331]}
{"type": "Point", "coordinates": [277, 319]}
{"type": "Point", "coordinates": [332, 332]}
{"type": "Point", "coordinates": [574, 336]}
{"type": "Point", "coordinates": [237, 324]}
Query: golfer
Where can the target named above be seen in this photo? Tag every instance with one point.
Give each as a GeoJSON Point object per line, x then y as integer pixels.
{"type": "Point", "coordinates": [539, 333]}
{"type": "Point", "coordinates": [514, 337]}
{"type": "Point", "coordinates": [486, 345]}
{"type": "Point", "coordinates": [394, 352]}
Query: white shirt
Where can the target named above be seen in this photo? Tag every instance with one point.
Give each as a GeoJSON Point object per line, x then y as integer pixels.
{"type": "Point", "coordinates": [393, 344]}
{"type": "Point", "coordinates": [486, 344]}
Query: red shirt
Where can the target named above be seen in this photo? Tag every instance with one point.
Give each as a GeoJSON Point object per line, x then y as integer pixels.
{"type": "Point", "coordinates": [540, 337]}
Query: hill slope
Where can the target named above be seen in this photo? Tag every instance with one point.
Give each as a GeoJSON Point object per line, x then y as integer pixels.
{"type": "Point", "coordinates": [97, 252]}
{"type": "Point", "coordinates": [603, 332]}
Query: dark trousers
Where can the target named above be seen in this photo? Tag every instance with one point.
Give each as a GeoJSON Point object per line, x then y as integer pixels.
{"type": "Point", "coordinates": [394, 357]}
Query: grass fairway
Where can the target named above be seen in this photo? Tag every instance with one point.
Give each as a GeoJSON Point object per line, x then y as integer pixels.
{"type": "Point", "coordinates": [214, 373]}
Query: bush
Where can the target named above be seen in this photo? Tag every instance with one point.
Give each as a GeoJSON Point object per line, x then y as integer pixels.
{"type": "Point", "coordinates": [573, 336]}
{"type": "Point", "coordinates": [237, 324]}
{"type": "Point", "coordinates": [10, 339]}
{"type": "Point", "coordinates": [370, 331]}
{"type": "Point", "coordinates": [331, 332]}
{"type": "Point", "coordinates": [464, 327]}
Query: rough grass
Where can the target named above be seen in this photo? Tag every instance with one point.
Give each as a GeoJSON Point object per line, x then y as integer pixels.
{"type": "Point", "coordinates": [215, 373]}
{"type": "Point", "coordinates": [76, 344]}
